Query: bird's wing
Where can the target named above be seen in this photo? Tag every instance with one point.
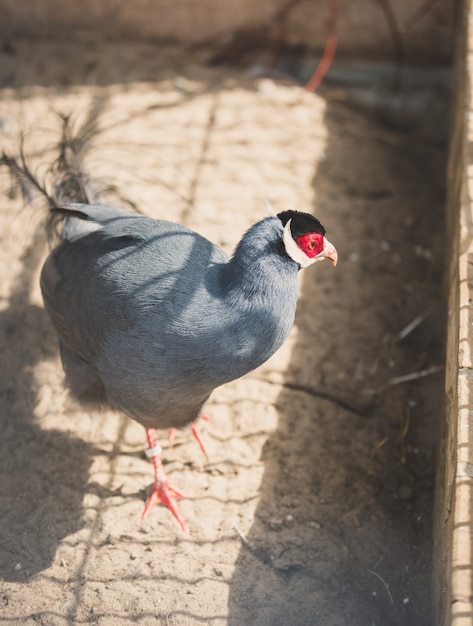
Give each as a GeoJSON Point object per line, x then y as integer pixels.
{"type": "Point", "coordinates": [78, 220]}
{"type": "Point", "coordinates": [113, 266]}
{"type": "Point", "coordinates": [96, 212]}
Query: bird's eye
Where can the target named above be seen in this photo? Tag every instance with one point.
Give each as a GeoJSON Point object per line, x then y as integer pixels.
{"type": "Point", "coordinates": [310, 244]}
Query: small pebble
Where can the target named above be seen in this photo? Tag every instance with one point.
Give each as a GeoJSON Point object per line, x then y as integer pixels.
{"type": "Point", "coordinates": [313, 524]}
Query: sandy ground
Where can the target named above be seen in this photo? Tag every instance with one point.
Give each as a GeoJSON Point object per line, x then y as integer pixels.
{"type": "Point", "coordinates": [315, 506]}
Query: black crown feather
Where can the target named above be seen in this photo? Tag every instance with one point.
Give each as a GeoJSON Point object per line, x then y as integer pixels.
{"type": "Point", "coordinates": [302, 223]}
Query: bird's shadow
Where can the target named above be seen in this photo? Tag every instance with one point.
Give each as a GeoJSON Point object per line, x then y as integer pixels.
{"type": "Point", "coordinates": [43, 473]}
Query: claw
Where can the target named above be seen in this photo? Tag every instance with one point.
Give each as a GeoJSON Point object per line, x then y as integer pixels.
{"type": "Point", "coordinates": [164, 494]}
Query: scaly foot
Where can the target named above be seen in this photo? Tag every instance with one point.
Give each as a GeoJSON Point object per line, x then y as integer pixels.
{"type": "Point", "coordinates": [162, 492]}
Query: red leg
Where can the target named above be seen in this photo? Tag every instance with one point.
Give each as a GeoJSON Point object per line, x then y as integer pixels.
{"type": "Point", "coordinates": [198, 435]}
{"type": "Point", "coordinates": [200, 439]}
{"type": "Point", "coordinates": [162, 492]}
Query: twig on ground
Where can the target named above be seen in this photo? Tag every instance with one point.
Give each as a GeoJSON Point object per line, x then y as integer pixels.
{"type": "Point", "coordinates": [407, 330]}
{"type": "Point", "coordinates": [381, 443]}
{"type": "Point", "coordinates": [240, 533]}
{"type": "Point", "coordinates": [398, 380]}
{"type": "Point", "coordinates": [384, 583]}
{"type": "Point", "coordinates": [259, 553]}
{"type": "Point", "coordinates": [405, 378]}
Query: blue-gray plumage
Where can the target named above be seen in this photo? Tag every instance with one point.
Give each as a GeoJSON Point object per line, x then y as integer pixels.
{"type": "Point", "coordinates": [159, 316]}
{"type": "Point", "coordinates": [152, 317]}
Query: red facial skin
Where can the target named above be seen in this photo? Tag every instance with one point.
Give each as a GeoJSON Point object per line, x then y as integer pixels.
{"type": "Point", "coordinates": [311, 244]}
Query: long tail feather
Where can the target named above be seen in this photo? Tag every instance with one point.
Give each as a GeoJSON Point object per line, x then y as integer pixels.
{"type": "Point", "coordinates": [67, 180]}
{"type": "Point", "coordinates": [24, 179]}
{"type": "Point", "coordinates": [71, 180]}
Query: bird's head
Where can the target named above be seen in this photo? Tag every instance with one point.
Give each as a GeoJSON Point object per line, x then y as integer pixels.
{"type": "Point", "coordinates": [304, 239]}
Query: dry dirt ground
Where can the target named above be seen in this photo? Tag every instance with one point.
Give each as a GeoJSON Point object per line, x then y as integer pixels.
{"type": "Point", "coordinates": [315, 506]}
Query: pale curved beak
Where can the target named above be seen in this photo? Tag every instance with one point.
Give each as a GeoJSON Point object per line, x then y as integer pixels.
{"type": "Point", "coordinates": [330, 252]}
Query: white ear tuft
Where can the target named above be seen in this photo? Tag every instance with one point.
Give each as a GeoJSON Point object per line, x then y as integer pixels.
{"type": "Point", "coordinates": [269, 207]}
{"type": "Point", "coordinates": [293, 249]}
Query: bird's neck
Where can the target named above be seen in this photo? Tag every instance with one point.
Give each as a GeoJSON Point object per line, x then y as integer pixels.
{"type": "Point", "coordinates": [248, 275]}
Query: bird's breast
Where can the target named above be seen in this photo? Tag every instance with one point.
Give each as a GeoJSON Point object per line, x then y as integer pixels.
{"type": "Point", "coordinates": [244, 341]}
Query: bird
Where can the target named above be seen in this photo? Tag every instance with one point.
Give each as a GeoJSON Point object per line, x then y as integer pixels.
{"type": "Point", "coordinates": [151, 316]}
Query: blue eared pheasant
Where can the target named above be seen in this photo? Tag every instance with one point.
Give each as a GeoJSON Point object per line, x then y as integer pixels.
{"type": "Point", "coordinates": [151, 316]}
